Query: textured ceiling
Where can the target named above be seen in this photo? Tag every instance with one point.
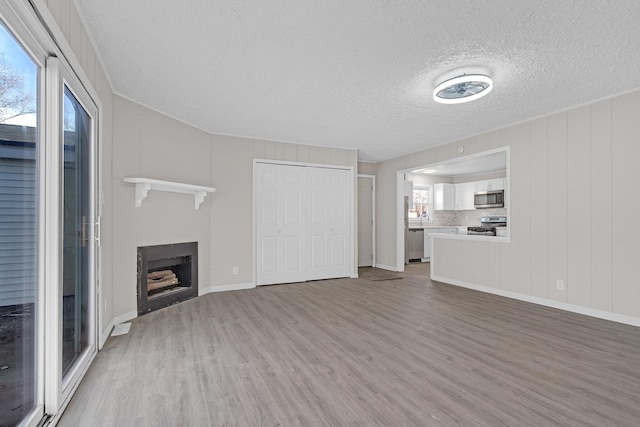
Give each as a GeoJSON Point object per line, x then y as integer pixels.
{"type": "Point", "coordinates": [359, 73]}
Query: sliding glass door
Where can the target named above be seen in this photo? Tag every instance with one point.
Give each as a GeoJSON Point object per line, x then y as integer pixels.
{"type": "Point", "coordinates": [48, 217]}
{"type": "Point", "coordinates": [72, 253]}
{"type": "Point", "coordinates": [77, 284]}
{"type": "Point", "coordinates": [19, 234]}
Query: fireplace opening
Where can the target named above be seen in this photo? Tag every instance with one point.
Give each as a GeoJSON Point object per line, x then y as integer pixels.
{"type": "Point", "coordinates": [167, 275]}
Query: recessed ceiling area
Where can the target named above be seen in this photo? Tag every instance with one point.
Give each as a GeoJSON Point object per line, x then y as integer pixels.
{"type": "Point", "coordinates": [360, 74]}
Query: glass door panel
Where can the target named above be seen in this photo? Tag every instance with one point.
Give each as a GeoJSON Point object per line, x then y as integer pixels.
{"type": "Point", "coordinates": [19, 305]}
{"type": "Point", "coordinates": [76, 240]}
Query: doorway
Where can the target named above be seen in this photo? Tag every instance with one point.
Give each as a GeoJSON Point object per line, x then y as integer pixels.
{"type": "Point", "coordinates": [366, 220]}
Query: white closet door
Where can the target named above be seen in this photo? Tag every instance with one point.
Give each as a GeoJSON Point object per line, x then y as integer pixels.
{"type": "Point", "coordinates": [328, 223]}
{"type": "Point", "coordinates": [280, 223]}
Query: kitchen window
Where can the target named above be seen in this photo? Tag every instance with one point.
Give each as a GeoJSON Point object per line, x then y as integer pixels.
{"type": "Point", "coordinates": [422, 204]}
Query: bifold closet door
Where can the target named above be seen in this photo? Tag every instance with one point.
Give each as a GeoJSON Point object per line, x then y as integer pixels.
{"type": "Point", "coordinates": [328, 226]}
{"type": "Point", "coordinates": [303, 223]}
{"type": "Point", "coordinates": [280, 233]}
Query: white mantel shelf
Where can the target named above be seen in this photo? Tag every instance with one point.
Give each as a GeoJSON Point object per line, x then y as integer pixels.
{"type": "Point", "coordinates": [144, 185]}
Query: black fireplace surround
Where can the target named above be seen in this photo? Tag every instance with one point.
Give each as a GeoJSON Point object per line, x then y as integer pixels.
{"type": "Point", "coordinates": [182, 260]}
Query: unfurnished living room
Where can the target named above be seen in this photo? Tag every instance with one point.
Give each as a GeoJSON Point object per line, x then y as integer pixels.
{"type": "Point", "coordinates": [300, 213]}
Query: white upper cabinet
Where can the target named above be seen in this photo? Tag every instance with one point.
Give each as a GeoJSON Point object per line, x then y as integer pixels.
{"type": "Point", "coordinates": [464, 195]}
{"type": "Point", "coordinates": [490, 184]}
{"type": "Point", "coordinates": [444, 197]}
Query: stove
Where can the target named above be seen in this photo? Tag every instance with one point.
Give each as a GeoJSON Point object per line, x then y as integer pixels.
{"type": "Point", "coordinates": [488, 225]}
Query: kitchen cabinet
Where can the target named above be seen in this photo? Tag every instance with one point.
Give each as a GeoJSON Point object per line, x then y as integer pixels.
{"type": "Point", "coordinates": [464, 195]}
{"type": "Point", "coordinates": [432, 230]}
{"type": "Point", "coordinates": [490, 184]}
{"type": "Point", "coordinates": [444, 197]}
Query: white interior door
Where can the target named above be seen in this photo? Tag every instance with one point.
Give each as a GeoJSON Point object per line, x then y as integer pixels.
{"type": "Point", "coordinates": [365, 221]}
{"type": "Point", "coordinates": [328, 229]}
{"type": "Point", "coordinates": [280, 223]}
{"type": "Point", "coordinates": [303, 223]}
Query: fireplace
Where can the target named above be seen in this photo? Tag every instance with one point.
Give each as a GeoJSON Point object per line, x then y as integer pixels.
{"type": "Point", "coordinates": [167, 275]}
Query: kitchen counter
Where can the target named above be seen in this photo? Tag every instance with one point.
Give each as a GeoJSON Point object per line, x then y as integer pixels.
{"type": "Point", "coordinates": [435, 226]}
{"type": "Point", "coordinates": [470, 237]}
{"type": "Point", "coordinates": [417, 226]}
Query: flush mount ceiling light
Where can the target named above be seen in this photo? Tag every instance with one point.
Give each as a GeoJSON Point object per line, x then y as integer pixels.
{"type": "Point", "coordinates": [465, 88]}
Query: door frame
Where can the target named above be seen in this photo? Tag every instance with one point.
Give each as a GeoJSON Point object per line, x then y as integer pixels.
{"type": "Point", "coordinates": [373, 215]}
{"type": "Point", "coordinates": [58, 389]}
{"type": "Point", "coordinates": [18, 19]}
{"type": "Point", "coordinates": [353, 259]}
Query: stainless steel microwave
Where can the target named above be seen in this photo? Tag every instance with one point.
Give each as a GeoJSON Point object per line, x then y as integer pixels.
{"type": "Point", "coordinates": [488, 199]}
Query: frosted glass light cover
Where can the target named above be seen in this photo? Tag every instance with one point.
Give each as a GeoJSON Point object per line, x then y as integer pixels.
{"type": "Point", "coordinates": [463, 89]}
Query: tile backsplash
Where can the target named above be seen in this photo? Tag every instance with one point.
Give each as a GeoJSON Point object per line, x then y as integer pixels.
{"type": "Point", "coordinates": [470, 218]}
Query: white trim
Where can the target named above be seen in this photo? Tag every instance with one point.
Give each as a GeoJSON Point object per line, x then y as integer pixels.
{"type": "Point", "coordinates": [225, 288]}
{"type": "Point", "coordinates": [65, 49]}
{"type": "Point", "coordinates": [302, 164]}
{"type": "Point", "coordinates": [72, 387]}
{"type": "Point", "coordinates": [400, 226]}
{"type": "Point", "coordinates": [587, 311]}
{"type": "Point", "coordinates": [373, 217]}
{"type": "Point", "coordinates": [124, 318]}
{"type": "Point", "coordinates": [386, 267]}
{"type": "Point", "coordinates": [34, 418]}
{"type": "Point", "coordinates": [53, 226]}
{"type": "Point", "coordinates": [106, 333]}
{"type": "Point", "coordinates": [87, 30]}
{"type": "Point", "coordinates": [69, 80]}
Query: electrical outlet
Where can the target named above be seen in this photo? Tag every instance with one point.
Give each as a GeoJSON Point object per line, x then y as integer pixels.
{"type": "Point", "coordinates": [560, 284]}
{"type": "Point", "coordinates": [235, 270]}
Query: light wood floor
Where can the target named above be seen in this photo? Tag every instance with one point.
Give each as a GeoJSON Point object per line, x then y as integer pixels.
{"type": "Point", "coordinates": [363, 352]}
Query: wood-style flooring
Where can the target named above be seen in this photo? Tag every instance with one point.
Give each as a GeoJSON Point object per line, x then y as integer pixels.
{"type": "Point", "coordinates": [404, 351]}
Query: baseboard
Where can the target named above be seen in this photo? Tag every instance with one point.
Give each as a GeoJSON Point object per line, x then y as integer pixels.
{"type": "Point", "coordinates": [224, 288]}
{"type": "Point", "coordinates": [125, 317]}
{"type": "Point", "coordinates": [105, 334]}
{"type": "Point", "coordinates": [386, 267]}
{"type": "Point", "coordinates": [115, 321]}
{"type": "Point", "coordinates": [587, 311]}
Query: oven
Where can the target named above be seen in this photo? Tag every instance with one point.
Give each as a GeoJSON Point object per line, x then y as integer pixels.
{"type": "Point", "coordinates": [488, 225]}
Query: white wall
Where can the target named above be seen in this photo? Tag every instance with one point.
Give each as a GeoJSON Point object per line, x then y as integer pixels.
{"type": "Point", "coordinates": [137, 141]}
{"type": "Point", "coordinates": [149, 144]}
{"type": "Point", "coordinates": [479, 176]}
{"type": "Point", "coordinates": [574, 203]}
{"type": "Point", "coordinates": [367, 168]}
{"type": "Point", "coordinates": [422, 179]}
